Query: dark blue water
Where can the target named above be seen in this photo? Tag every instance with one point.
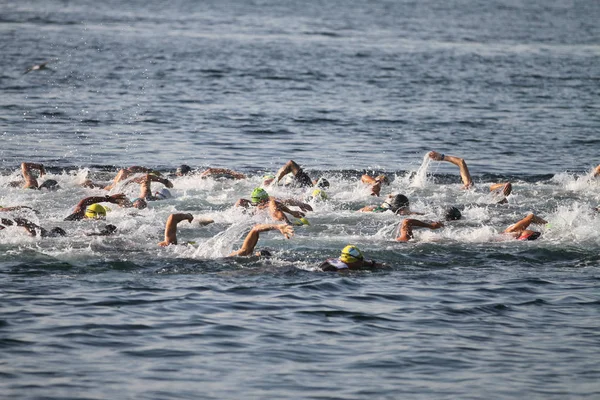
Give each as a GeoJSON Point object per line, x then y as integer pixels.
{"type": "Point", "coordinates": [342, 87]}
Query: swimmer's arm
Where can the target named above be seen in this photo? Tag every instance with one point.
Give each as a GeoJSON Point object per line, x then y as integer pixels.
{"type": "Point", "coordinates": [164, 181]}
{"type": "Point", "coordinates": [597, 171]}
{"type": "Point", "coordinates": [88, 201]}
{"type": "Point", "coordinates": [374, 264]}
{"type": "Point", "coordinates": [29, 226]}
{"type": "Point", "coordinates": [30, 180]}
{"type": "Point", "coordinates": [171, 228]}
{"type": "Point", "coordinates": [290, 166]}
{"type": "Point", "coordinates": [524, 223]}
{"type": "Point", "coordinates": [367, 209]}
{"type": "Point", "coordinates": [277, 207]}
{"type": "Point", "coordinates": [252, 238]}
{"type": "Point", "coordinates": [367, 179]}
{"type": "Point", "coordinates": [406, 228]}
{"type": "Point", "coordinates": [459, 162]}
{"type": "Point", "coordinates": [296, 203]}
{"type": "Point", "coordinates": [222, 171]}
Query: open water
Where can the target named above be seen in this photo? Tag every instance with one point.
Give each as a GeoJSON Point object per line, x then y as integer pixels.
{"type": "Point", "coordinates": [343, 88]}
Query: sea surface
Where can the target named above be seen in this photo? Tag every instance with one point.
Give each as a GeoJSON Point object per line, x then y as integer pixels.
{"type": "Point", "coordinates": [343, 88]}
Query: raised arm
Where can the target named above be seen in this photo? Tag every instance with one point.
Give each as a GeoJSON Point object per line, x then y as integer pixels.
{"type": "Point", "coordinates": [30, 181]}
{"type": "Point", "coordinates": [80, 208]}
{"type": "Point", "coordinates": [296, 203]}
{"type": "Point", "coordinates": [290, 166]}
{"type": "Point", "coordinates": [523, 224]}
{"type": "Point", "coordinates": [278, 210]}
{"type": "Point", "coordinates": [171, 228]}
{"type": "Point", "coordinates": [254, 234]}
{"type": "Point", "coordinates": [459, 162]}
{"type": "Point", "coordinates": [222, 171]}
{"type": "Point", "coordinates": [406, 228]}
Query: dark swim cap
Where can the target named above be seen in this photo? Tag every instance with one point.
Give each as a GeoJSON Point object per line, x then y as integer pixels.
{"type": "Point", "coordinates": [56, 231]}
{"type": "Point", "coordinates": [452, 214]}
{"type": "Point", "coordinates": [183, 170]}
{"type": "Point", "coordinates": [49, 184]}
{"type": "Point", "coordinates": [396, 202]}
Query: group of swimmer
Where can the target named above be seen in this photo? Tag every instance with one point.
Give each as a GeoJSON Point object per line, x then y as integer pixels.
{"type": "Point", "coordinates": [284, 217]}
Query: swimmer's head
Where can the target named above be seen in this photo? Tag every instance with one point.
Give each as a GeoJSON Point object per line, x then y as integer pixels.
{"type": "Point", "coordinates": [163, 194]}
{"type": "Point", "coordinates": [139, 203]}
{"type": "Point", "coordinates": [183, 170]}
{"type": "Point", "coordinates": [263, 253]}
{"type": "Point", "coordinates": [351, 254]}
{"type": "Point", "coordinates": [452, 214]}
{"type": "Point", "coordinates": [396, 202]}
{"type": "Point", "coordinates": [95, 211]}
{"type": "Point", "coordinates": [322, 183]}
{"type": "Point", "coordinates": [258, 196]}
{"type": "Point", "coordinates": [529, 235]}
{"type": "Point", "coordinates": [56, 231]}
{"type": "Point", "coordinates": [268, 179]}
{"type": "Point", "coordinates": [49, 184]}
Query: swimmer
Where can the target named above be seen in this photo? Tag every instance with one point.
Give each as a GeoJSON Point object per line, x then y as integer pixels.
{"type": "Point", "coordinates": [222, 173]}
{"type": "Point", "coordinates": [171, 228]}
{"type": "Point", "coordinates": [519, 229]}
{"type": "Point", "coordinates": [504, 188]}
{"type": "Point", "coordinates": [37, 67]}
{"type": "Point", "coordinates": [398, 204]}
{"type": "Point", "coordinates": [31, 228]}
{"type": "Point", "coordinates": [146, 191]}
{"type": "Point", "coordinates": [184, 170]}
{"type": "Point", "coordinates": [406, 228]}
{"type": "Point", "coordinates": [252, 238]}
{"type": "Point", "coordinates": [350, 258]}
{"type": "Point", "coordinates": [125, 173]}
{"type": "Point", "coordinates": [277, 208]}
{"type": "Point", "coordinates": [84, 208]}
{"type": "Point", "coordinates": [30, 179]}
{"type": "Point", "coordinates": [375, 183]}
{"type": "Point", "coordinates": [301, 178]}
{"type": "Point", "coordinates": [596, 171]}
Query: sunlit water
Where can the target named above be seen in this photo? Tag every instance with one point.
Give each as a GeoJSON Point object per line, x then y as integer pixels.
{"type": "Point", "coordinates": [343, 88]}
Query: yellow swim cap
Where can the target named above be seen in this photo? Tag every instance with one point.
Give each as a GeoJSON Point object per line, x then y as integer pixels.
{"type": "Point", "coordinates": [319, 194]}
{"type": "Point", "coordinates": [351, 254]}
{"type": "Point", "coordinates": [95, 211]}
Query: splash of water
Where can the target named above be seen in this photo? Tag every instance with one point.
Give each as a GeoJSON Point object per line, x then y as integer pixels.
{"type": "Point", "coordinates": [419, 180]}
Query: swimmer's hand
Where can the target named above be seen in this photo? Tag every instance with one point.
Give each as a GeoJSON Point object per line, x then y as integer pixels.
{"type": "Point", "coordinates": [189, 218]}
{"type": "Point", "coordinates": [118, 198]}
{"type": "Point", "coordinates": [205, 221]}
{"type": "Point", "coordinates": [297, 214]}
{"type": "Point", "coordinates": [434, 155]}
{"type": "Point", "coordinates": [436, 225]}
{"type": "Point", "coordinates": [286, 230]}
{"type": "Point", "coordinates": [305, 207]}
{"type": "Point", "coordinates": [168, 183]}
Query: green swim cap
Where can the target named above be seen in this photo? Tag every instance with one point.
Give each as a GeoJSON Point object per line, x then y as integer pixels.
{"type": "Point", "coordinates": [258, 195]}
{"type": "Point", "coordinates": [319, 194]}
